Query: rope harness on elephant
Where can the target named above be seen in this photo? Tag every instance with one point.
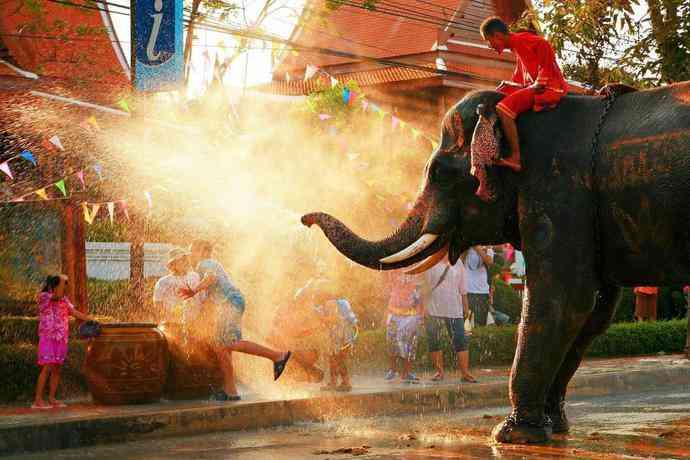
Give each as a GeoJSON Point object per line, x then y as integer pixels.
{"type": "Point", "coordinates": [610, 95]}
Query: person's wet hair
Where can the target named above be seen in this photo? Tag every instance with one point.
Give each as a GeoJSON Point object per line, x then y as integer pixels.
{"type": "Point", "coordinates": [51, 282]}
{"type": "Point", "coordinates": [491, 26]}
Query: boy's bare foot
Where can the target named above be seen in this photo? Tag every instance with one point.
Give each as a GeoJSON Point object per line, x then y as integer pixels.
{"type": "Point", "coordinates": [469, 378]}
{"type": "Point", "coordinates": [41, 405]}
{"type": "Point", "coordinates": [437, 377]}
{"type": "Point", "coordinates": [57, 403]}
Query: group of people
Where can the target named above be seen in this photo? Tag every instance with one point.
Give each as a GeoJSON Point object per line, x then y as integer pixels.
{"type": "Point", "coordinates": [206, 289]}
{"type": "Point", "coordinates": [444, 297]}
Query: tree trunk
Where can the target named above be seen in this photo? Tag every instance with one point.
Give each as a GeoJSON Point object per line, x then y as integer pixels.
{"type": "Point", "coordinates": [136, 270]}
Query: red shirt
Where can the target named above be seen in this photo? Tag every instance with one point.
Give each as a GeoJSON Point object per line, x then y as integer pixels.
{"type": "Point", "coordinates": [536, 62]}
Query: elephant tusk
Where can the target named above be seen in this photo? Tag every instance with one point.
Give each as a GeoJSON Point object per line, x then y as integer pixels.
{"type": "Point", "coordinates": [429, 262]}
{"type": "Point", "coordinates": [415, 248]}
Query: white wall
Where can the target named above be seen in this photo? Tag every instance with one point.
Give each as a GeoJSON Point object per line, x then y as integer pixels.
{"type": "Point", "coordinates": [110, 261]}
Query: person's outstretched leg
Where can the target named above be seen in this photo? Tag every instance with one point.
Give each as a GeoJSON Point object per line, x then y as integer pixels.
{"type": "Point", "coordinates": [251, 348]}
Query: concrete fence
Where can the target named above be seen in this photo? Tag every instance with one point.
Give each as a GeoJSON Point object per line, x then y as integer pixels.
{"type": "Point", "coordinates": [110, 261]}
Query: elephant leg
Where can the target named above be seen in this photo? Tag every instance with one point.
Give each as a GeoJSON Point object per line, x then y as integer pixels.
{"type": "Point", "coordinates": [596, 324]}
{"type": "Point", "coordinates": [553, 313]}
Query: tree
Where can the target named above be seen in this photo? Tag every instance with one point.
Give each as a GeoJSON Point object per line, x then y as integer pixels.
{"type": "Point", "coordinates": [661, 52]}
{"type": "Point", "coordinates": [586, 33]}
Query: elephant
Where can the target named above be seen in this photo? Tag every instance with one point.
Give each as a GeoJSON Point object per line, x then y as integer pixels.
{"type": "Point", "coordinates": [602, 202]}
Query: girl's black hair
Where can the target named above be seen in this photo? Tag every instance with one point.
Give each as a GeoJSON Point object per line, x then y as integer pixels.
{"type": "Point", "coordinates": [52, 281]}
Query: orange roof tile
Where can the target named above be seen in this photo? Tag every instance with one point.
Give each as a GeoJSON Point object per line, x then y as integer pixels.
{"type": "Point", "coordinates": [376, 34]}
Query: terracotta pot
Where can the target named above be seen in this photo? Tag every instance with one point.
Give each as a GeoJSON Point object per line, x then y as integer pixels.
{"type": "Point", "coordinates": [193, 371]}
{"type": "Point", "coordinates": [126, 364]}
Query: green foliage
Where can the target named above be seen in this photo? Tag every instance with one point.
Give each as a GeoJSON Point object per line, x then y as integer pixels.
{"type": "Point", "coordinates": [495, 345]}
{"type": "Point", "coordinates": [630, 339]}
{"type": "Point", "coordinates": [19, 371]}
{"type": "Point", "coordinates": [507, 300]}
{"type": "Point", "coordinates": [661, 51]}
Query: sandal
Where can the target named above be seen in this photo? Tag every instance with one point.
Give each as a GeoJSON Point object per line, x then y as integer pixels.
{"type": "Point", "coordinates": [329, 387]}
{"type": "Point", "coordinates": [437, 378]}
{"type": "Point", "coordinates": [469, 379]}
{"type": "Point", "coordinates": [343, 388]}
{"type": "Point", "coordinates": [279, 367]}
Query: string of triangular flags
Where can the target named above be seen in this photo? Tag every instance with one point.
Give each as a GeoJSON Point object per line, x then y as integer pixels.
{"type": "Point", "coordinates": [350, 97]}
{"type": "Point", "coordinates": [61, 185]}
{"type": "Point", "coordinates": [91, 210]}
{"type": "Point", "coordinates": [50, 143]}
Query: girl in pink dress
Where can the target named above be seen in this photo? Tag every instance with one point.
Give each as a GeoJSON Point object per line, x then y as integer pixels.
{"type": "Point", "coordinates": [54, 310]}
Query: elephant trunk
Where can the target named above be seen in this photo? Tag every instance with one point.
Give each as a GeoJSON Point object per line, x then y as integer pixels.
{"type": "Point", "coordinates": [407, 245]}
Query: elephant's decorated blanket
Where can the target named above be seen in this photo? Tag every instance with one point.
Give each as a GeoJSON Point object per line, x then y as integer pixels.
{"type": "Point", "coordinates": [485, 150]}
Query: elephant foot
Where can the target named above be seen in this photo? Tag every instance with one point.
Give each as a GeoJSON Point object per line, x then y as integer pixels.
{"type": "Point", "coordinates": [511, 431]}
{"type": "Point", "coordinates": [556, 413]}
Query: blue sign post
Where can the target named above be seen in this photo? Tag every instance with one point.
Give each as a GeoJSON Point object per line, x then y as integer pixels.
{"type": "Point", "coordinates": [157, 62]}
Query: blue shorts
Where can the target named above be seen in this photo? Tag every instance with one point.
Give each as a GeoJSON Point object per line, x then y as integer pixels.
{"type": "Point", "coordinates": [456, 332]}
{"type": "Point", "coordinates": [229, 328]}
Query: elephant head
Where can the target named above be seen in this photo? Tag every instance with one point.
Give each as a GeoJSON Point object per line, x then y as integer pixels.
{"type": "Point", "coordinates": [447, 216]}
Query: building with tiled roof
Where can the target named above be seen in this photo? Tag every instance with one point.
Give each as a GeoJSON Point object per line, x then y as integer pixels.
{"type": "Point", "coordinates": [438, 35]}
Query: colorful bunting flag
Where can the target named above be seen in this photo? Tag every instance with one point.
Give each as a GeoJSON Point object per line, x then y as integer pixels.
{"type": "Point", "coordinates": [46, 144]}
{"type": "Point", "coordinates": [365, 105]}
{"type": "Point", "coordinates": [92, 121]}
{"type": "Point", "coordinates": [97, 168]}
{"type": "Point", "coordinates": [61, 186]}
{"type": "Point", "coordinates": [353, 97]}
{"type": "Point", "coordinates": [395, 121]}
{"type": "Point", "coordinates": [111, 211]}
{"type": "Point", "coordinates": [123, 205]}
{"type": "Point", "coordinates": [123, 104]}
{"type": "Point", "coordinates": [149, 200]}
{"type": "Point", "coordinates": [5, 167]}
{"type": "Point", "coordinates": [415, 133]}
{"type": "Point", "coordinates": [41, 192]}
{"type": "Point", "coordinates": [55, 140]}
{"type": "Point", "coordinates": [334, 82]}
{"type": "Point", "coordinates": [287, 76]}
{"type": "Point", "coordinates": [346, 96]}
{"type": "Point", "coordinates": [80, 175]}
{"type": "Point", "coordinates": [89, 216]}
{"type": "Point", "coordinates": [28, 156]}
{"type": "Point", "coordinates": [310, 71]}
{"type": "Point", "coordinates": [324, 116]}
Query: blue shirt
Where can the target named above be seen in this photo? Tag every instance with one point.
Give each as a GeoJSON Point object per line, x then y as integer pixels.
{"type": "Point", "coordinates": [222, 291]}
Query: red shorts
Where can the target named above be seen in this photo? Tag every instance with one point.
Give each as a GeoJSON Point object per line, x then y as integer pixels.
{"type": "Point", "coordinates": [518, 100]}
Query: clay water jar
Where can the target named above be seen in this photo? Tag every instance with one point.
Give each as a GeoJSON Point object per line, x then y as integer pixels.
{"type": "Point", "coordinates": [193, 371]}
{"type": "Point", "coordinates": [126, 364]}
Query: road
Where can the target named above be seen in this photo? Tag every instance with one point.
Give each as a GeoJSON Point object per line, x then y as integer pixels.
{"type": "Point", "coordinates": [631, 426]}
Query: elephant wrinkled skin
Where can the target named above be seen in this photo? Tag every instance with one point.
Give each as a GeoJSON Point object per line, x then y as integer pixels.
{"type": "Point", "coordinates": [587, 225]}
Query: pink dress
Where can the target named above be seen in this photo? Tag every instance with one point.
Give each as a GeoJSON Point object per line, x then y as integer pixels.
{"type": "Point", "coordinates": [53, 328]}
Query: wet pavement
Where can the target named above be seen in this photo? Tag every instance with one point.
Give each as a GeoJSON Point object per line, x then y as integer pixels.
{"type": "Point", "coordinates": [631, 426]}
